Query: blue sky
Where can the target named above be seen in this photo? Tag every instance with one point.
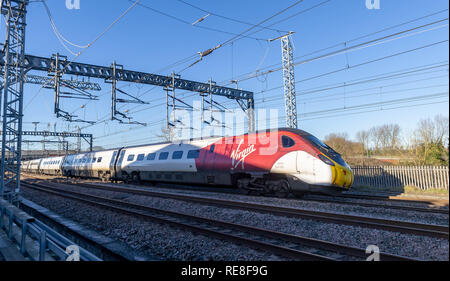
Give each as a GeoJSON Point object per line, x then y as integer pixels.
{"type": "Point", "coordinates": [148, 41]}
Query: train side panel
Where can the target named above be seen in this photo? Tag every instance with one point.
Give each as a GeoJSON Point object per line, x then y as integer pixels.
{"type": "Point", "coordinates": [92, 165]}
{"type": "Point", "coordinates": [51, 166]}
{"type": "Point", "coordinates": [163, 162]}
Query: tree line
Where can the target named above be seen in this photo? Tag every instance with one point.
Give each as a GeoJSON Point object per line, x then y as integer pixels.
{"type": "Point", "coordinates": [426, 145]}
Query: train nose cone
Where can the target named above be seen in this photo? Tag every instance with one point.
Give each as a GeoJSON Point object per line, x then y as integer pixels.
{"type": "Point", "coordinates": [344, 176]}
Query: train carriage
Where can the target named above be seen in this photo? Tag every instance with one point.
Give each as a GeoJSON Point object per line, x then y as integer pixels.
{"type": "Point", "coordinates": [279, 161]}
{"type": "Point", "coordinates": [51, 166]}
{"type": "Point", "coordinates": [91, 165]}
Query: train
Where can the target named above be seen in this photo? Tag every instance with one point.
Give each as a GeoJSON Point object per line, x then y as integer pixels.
{"type": "Point", "coordinates": [281, 162]}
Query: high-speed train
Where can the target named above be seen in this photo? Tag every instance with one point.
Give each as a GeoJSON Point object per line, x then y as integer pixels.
{"type": "Point", "coordinates": [278, 162]}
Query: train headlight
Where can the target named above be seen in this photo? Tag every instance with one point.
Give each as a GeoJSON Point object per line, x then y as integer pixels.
{"type": "Point", "coordinates": [326, 160]}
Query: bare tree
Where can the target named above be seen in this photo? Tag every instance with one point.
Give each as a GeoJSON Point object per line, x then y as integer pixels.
{"type": "Point", "coordinates": [375, 134]}
{"type": "Point", "coordinates": [390, 135]}
{"type": "Point", "coordinates": [394, 132]}
{"type": "Point", "coordinates": [432, 138]}
{"type": "Point", "coordinates": [364, 138]}
{"type": "Point", "coordinates": [342, 144]}
{"type": "Point", "coordinates": [385, 136]}
{"type": "Point", "coordinates": [441, 133]}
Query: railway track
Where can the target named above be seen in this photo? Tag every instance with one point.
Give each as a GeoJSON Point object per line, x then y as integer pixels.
{"type": "Point", "coordinates": [375, 205]}
{"type": "Point", "coordinates": [390, 225]}
{"type": "Point", "coordinates": [287, 245]}
{"type": "Point", "coordinates": [336, 200]}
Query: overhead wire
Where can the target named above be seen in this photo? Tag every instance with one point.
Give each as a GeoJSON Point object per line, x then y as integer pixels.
{"type": "Point", "coordinates": [227, 18]}
{"type": "Point", "coordinates": [354, 39]}
{"type": "Point", "coordinates": [226, 42]}
{"type": "Point", "coordinates": [357, 47]}
{"type": "Point", "coordinates": [360, 64]}
{"type": "Point", "coordinates": [90, 44]}
{"type": "Point", "coordinates": [189, 23]}
{"type": "Point", "coordinates": [239, 35]}
{"type": "Point", "coordinates": [329, 73]}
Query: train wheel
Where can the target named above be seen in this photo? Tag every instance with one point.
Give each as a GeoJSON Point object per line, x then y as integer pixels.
{"type": "Point", "coordinates": [242, 185]}
{"type": "Point", "coordinates": [283, 190]}
{"type": "Point", "coordinates": [136, 178]}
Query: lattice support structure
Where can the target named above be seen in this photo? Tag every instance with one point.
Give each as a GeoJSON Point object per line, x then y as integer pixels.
{"type": "Point", "coordinates": [289, 82]}
{"type": "Point", "coordinates": [58, 84]}
{"type": "Point", "coordinates": [172, 107]}
{"type": "Point", "coordinates": [48, 82]}
{"type": "Point", "coordinates": [115, 113]}
{"type": "Point", "coordinates": [13, 82]}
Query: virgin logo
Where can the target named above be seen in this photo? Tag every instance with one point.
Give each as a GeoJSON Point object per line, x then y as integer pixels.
{"type": "Point", "coordinates": [238, 156]}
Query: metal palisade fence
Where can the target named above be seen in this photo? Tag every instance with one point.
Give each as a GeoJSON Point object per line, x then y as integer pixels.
{"type": "Point", "coordinates": [423, 177]}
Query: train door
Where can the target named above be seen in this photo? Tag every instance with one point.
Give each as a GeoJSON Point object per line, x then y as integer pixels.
{"type": "Point", "coordinates": [220, 158]}
{"type": "Point", "coordinates": [118, 165]}
{"type": "Point", "coordinates": [112, 169]}
{"type": "Point", "coordinates": [209, 158]}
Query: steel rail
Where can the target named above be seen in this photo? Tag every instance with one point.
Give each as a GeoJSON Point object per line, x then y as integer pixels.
{"type": "Point", "coordinates": [336, 201]}
{"type": "Point", "coordinates": [374, 205]}
{"type": "Point", "coordinates": [390, 225]}
{"type": "Point", "coordinates": [365, 204]}
{"type": "Point", "coordinates": [221, 229]}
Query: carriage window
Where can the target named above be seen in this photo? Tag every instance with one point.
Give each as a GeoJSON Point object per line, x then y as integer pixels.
{"type": "Point", "coordinates": [211, 150]}
{"type": "Point", "coordinates": [94, 160]}
{"type": "Point", "coordinates": [287, 141]}
{"type": "Point", "coordinates": [130, 157]}
{"type": "Point", "coordinates": [164, 156]}
{"type": "Point", "coordinates": [99, 159]}
{"type": "Point", "coordinates": [151, 156]}
{"type": "Point", "coordinates": [140, 157]}
{"type": "Point", "coordinates": [193, 154]}
{"type": "Point", "coordinates": [177, 155]}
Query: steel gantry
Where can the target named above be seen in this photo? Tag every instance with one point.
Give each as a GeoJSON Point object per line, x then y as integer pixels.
{"type": "Point", "coordinates": [89, 138]}
{"type": "Point", "coordinates": [13, 54]}
{"type": "Point", "coordinates": [244, 98]}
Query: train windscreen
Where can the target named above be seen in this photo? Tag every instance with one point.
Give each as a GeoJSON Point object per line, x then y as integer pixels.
{"type": "Point", "coordinates": [325, 149]}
